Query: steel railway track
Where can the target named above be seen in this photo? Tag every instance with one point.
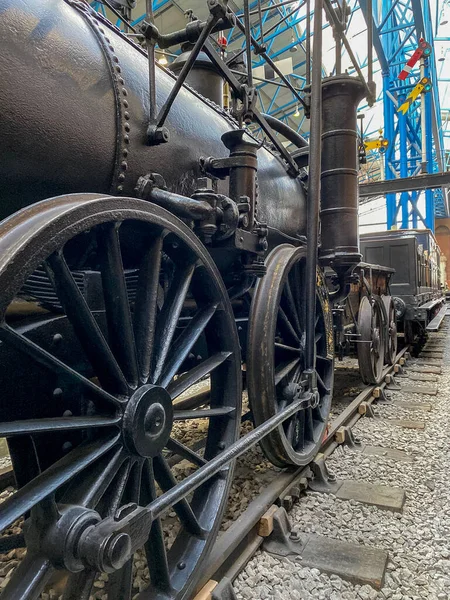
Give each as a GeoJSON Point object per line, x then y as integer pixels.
{"type": "Point", "coordinates": [236, 546]}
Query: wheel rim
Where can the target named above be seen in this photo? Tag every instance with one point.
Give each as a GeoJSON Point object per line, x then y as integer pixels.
{"type": "Point", "coordinates": [371, 341]}
{"type": "Point", "coordinates": [275, 359]}
{"type": "Point", "coordinates": [110, 434]}
{"type": "Point", "coordinates": [391, 333]}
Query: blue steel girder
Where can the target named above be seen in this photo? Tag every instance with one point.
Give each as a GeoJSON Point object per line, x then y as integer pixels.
{"type": "Point", "coordinates": [397, 27]}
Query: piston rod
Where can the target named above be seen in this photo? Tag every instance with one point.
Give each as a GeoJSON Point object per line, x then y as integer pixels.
{"type": "Point", "coordinates": [137, 521]}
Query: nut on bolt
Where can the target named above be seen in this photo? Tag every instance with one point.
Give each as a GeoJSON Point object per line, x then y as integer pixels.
{"type": "Point", "coordinates": [157, 135]}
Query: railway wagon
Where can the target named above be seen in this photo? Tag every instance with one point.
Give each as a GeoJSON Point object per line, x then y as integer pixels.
{"type": "Point", "coordinates": [416, 285]}
{"type": "Point", "coordinates": [142, 224]}
{"type": "Point", "coordinates": [365, 321]}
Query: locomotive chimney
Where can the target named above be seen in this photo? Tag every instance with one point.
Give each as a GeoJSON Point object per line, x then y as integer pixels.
{"type": "Point", "coordinates": [339, 191]}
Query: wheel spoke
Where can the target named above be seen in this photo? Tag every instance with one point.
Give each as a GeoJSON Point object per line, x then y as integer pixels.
{"type": "Point", "coordinates": [146, 307]}
{"type": "Point", "coordinates": [317, 414]}
{"type": "Point", "coordinates": [309, 425]}
{"type": "Point", "coordinates": [322, 385]}
{"type": "Point", "coordinates": [89, 490]}
{"type": "Point", "coordinates": [118, 316]}
{"type": "Point", "coordinates": [29, 578]}
{"type": "Point", "coordinates": [169, 316]}
{"type": "Point", "coordinates": [118, 486]}
{"type": "Point", "coordinates": [85, 326]}
{"type": "Point", "coordinates": [207, 413]}
{"type": "Point", "coordinates": [184, 344]}
{"type": "Point", "coordinates": [292, 308]}
{"type": "Point", "coordinates": [167, 481]}
{"type": "Point", "coordinates": [284, 369]}
{"type": "Point", "coordinates": [34, 426]}
{"type": "Point", "coordinates": [323, 359]}
{"type": "Point", "coordinates": [201, 370]}
{"type": "Point", "coordinates": [44, 358]}
{"type": "Point", "coordinates": [178, 448]}
{"type": "Point", "coordinates": [133, 487]}
{"type": "Point", "coordinates": [286, 327]}
{"type": "Point", "coordinates": [301, 438]}
{"type": "Point", "coordinates": [287, 348]}
{"type": "Point", "coordinates": [155, 548]}
{"type": "Point", "coordinates": [290, 430]}
{"type": "Point", "coordinates": [120, 582]}
{"type": "Point", "coordinates": [53, 478]}
{"type": "Point", "coordinates": [79, 585]}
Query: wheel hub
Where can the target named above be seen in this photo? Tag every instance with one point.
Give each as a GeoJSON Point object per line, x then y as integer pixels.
{"type": "Point", "coordinates": [148, 420]}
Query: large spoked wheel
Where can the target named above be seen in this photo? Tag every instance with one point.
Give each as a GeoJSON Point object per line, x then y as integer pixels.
{"type": "Point", "coordinates": [275, 357]}
{"type": "Point", "coordinates": [137, 314]}
{"type": "Point", "coordinates": [371, 342]}
{"type": "Point", "coordinates": [391, 330]}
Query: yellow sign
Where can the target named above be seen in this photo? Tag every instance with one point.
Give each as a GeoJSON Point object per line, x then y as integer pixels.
{"type": "Point", "coordinates": [424, 85]}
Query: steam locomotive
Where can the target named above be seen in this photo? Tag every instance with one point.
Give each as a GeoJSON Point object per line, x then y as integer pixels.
{"type": "Point", "coordinates": [150, 242]}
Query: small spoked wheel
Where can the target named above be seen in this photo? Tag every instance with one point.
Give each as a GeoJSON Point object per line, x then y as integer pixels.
{"type": "Point", "coordinates": [371, 342]}
{"type": "Point", "coordinates": [391, 330]}
{"type": "Point", "coordinates": [275, 357]}
{"type": "Point", "coordinates": [111, 310]}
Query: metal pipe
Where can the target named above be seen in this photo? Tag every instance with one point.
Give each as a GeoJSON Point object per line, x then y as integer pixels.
{"type": "Point", "coordinates": [181, 206]}
{"type": "Point", "coordinates": [241, 288]}
{"type": "Point", "coordinates": [313, 204]}
{"type": "Point", "coordinates": [190, 33]}
{"type": "Point", "coordinates": [308, 43]}
{"type": "Point", "coordinates": [261, 36]}
{"type": "Point", "coordinates": [369, 43]}
{"type": "Point", "coordinates": [422, 121]}
{"type": "Point", "coordinates": [248, 44]}
{"type": "Point", "coordinates": [286, 131]}
{"type": "Point", "coordinates": [151, 64]}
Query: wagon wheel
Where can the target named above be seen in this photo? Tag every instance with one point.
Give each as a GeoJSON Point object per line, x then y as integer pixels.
{"type": "Point", "coordinates": [275, 358]}
{"type": "Point", "coordinates": [391, 330]}
{"type": "Point", "coordinates": [89, 395]}
{"type": "Point", "coordinates": [370, 344]}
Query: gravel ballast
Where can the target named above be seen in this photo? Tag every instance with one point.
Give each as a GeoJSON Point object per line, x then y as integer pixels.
{"type": "Point", "coordinates": [417, 540]}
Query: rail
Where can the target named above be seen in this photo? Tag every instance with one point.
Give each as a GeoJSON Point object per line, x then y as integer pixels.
{"type": "Point", "coordinates": [237, 545]}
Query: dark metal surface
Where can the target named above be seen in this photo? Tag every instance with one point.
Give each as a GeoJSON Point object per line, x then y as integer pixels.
{"type": "Point", "coordinates": [276, 360]}
{"type": "Point", "coordinates": [314, 193]}
{"type": "Point", "coordinates": [203, 77]}
{"type": "Point", "coordinates": [104, 446]}
{"type": "Point", "coordinates": [339, 191]}
{"type": "Point", "coordinates": [74, 136]}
